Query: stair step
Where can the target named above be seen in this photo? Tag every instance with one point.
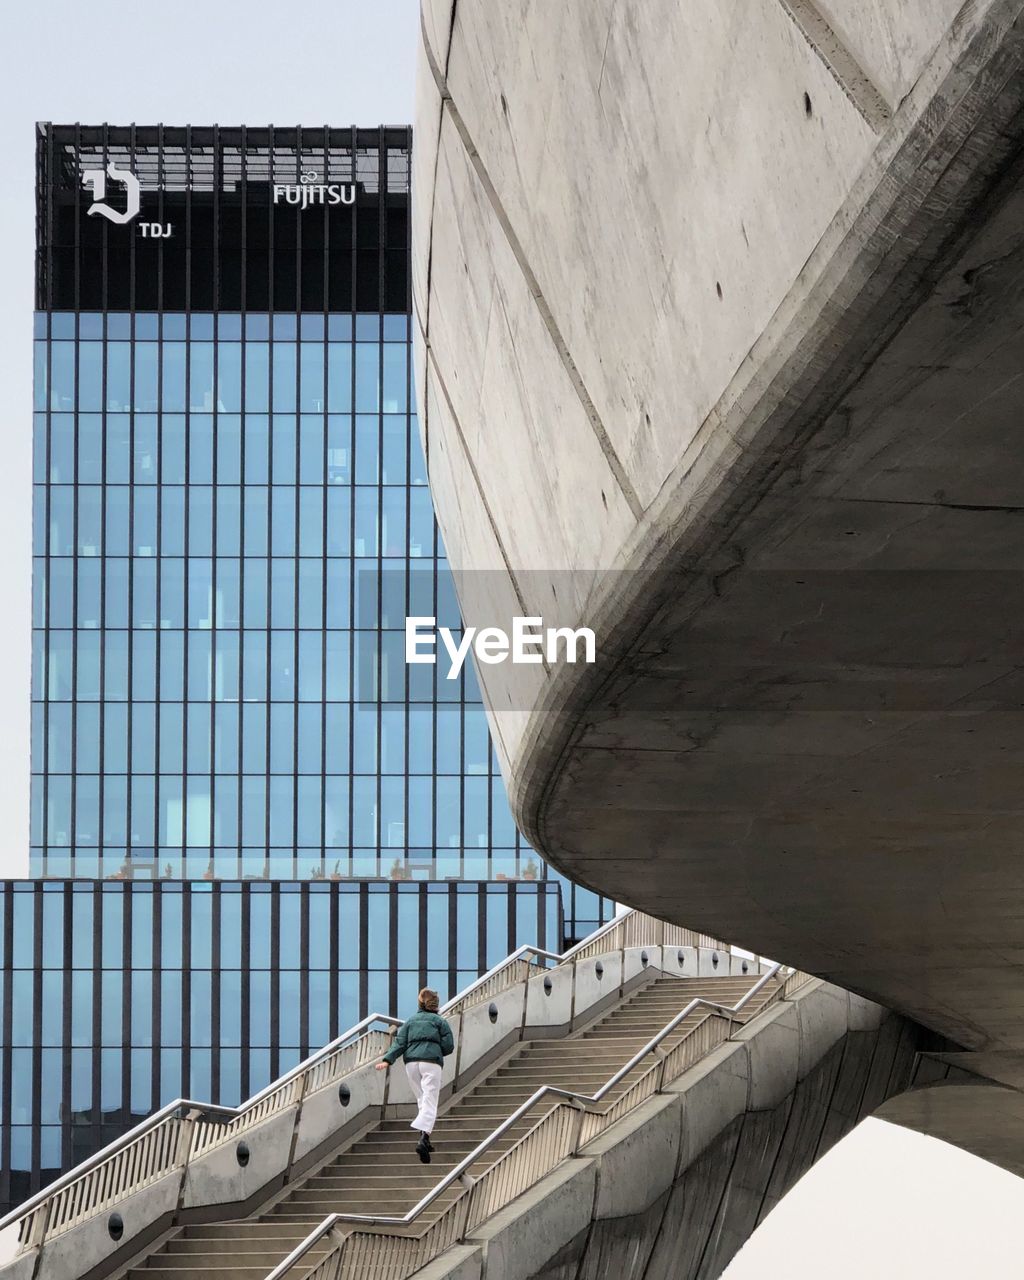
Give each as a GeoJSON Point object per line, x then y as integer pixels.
{"type": "Point", "coordinates": [413, 1175]}
{"type": "Point", "coordinates": [244, 1242]}
{"type": "Point", "coordinates": [258, 1228]}
{"type": "Point", "coordinates": [175, 1268]}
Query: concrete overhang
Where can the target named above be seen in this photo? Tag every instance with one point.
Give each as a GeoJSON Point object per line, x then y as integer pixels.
{"type": "Point", "coordinates": [738, 354]}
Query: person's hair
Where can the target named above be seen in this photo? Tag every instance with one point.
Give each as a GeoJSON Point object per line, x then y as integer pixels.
{"type": "Point", "coordinates": [428, 1000]}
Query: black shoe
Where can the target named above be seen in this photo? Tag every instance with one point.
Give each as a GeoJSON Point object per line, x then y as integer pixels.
{"type": "Point", "coordinates": [423, 1149]}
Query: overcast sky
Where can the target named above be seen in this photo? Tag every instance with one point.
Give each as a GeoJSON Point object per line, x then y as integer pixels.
{"type": "Point", "coordinates": [886, 1203]}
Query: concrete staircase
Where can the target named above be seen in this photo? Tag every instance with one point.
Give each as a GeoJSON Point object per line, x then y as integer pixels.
{"type": "Point", "coordinates": [381, 1174]}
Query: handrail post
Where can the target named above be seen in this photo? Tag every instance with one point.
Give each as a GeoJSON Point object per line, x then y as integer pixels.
{"type": "Point", "coordinates": [457, 1074]}
{"type": "Point", "coordinates": [385, 1093]}
{"type": "Point", "coordinates": [40, 1226]}
{"type": "Point", "coordinates": [40, 1236]}
{"type": "Point", "coordinates": [458, 1056]}
{"type": "Point", "coordinates": [185, 1136]}
{"type": "Point", "coordinates": [581, 1110]}
{"type": "Point", "coordinates": [299, 1099]}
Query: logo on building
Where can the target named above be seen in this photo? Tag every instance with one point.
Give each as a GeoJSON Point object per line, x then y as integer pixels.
{"type": "Point", "coordinates": [97, 179]}
{"type": "Point", "coordinates": [309, 191]}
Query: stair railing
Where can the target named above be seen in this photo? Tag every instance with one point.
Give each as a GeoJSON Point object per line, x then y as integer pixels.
{"type": "Point", "coordinates": [523, 964]}
{"type": "Point", "coordinates": [631, 929]}
{"type": "Point", "coordinates": [574, 1121]}
{"type": "Point", "coordinates": [635, 929]}
{"type": "Point", "coordinates": [172, 1138]}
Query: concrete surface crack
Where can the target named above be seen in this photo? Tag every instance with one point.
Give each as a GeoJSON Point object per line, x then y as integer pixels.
{"type": "Point", "coordinates": [938, 502]}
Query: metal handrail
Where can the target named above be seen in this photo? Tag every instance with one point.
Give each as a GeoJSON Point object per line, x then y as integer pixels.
{"type": "Point", "coordinates": [521, 953]}
{"type": "Point", "coordinates": [609, 926]}
{"type": "Point", "coordinates": [202, 1110]}
{"type": "Point", "coordinates": [587, 1102]}
{"type": "Point", "coordinates": [189, 1111]}
{"type": "Point", "coordinates": [168, 1111]}
{"type": "Point", "coordinates": [337, 1043]}
{"type": "Point", "coordinates": [693, 938]}
{"type": "Point", "coordinates": [566, 957]}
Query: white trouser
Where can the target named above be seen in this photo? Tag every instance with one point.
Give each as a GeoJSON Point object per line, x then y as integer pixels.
{"type": "Point", "coordinates": [425, 1078]}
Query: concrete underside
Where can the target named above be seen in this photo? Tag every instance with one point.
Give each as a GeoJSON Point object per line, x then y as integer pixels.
{"type": "Point", "coordinates": [758, 360]}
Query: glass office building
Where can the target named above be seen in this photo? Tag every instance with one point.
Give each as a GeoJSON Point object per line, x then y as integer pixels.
{"type": "Point", "coordinates": [233, 521]}
{"type": "Point", "coordinates": [237, 781]}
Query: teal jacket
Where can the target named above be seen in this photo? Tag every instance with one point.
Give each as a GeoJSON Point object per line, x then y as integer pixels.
{"type": "Point", "coordinates": [426, 1037]}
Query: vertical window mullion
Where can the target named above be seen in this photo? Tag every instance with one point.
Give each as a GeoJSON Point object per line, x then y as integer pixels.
{"type": "Point", "coordinates": [296, 574]}
{"type": "Point", "coordinates": [215, 980]}
{"type": "Point", "coordinates": [242, 492]}
{"type": "Point", "coordinates": [214, 561]}
{"type": "Point", "coordinates": [44, 693]}
{"type": "Point", "coordinates": [353, 619]}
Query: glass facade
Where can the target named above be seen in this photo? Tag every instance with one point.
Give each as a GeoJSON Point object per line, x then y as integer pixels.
{"type": "Point", "coordinates": [232, 523]}
{"type": "Point", "coordinates": [117, 998]}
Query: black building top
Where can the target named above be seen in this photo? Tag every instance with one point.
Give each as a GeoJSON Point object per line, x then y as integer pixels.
{"type": "Point", "coordinates": [133, 218]}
